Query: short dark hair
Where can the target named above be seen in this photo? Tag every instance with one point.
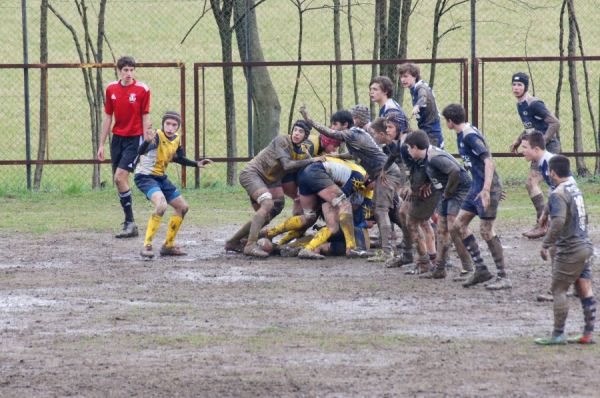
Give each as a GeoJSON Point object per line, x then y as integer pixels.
{"type": "Point", "coordinates": [378, 125]}
{"type": "Point", "coordinates": [386, 84]}
{"type": "Point", "coordinates": [125, 61]}
{"type": "Point", "coordinates": [342, 117]}
{"type": "Point", "coordinates": [455, 113]}
{"type": "Point", "coordinates": [536, 139]}
{"type": "Point", "coordinates": [561, 165]}
{"type": "Point", "coordinates": [417, 138]}
{"type": "Point", "coordinates": [409, 68]}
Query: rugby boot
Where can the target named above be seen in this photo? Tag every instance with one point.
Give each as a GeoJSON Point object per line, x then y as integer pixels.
{"type": "Point", "coordinates": [536, 232]}
{"type": "Point", "coordinates": [130, 230]}
{"type": "Point", "coordinates": [500, 283]}
{"type": "Point", "coordinates": [253, 250]}
{"type": "Point", "coordinates": [310, 255]}
{"type": "Point", "coordinates": [585, 338]}
{"type": "Point", "coordinates": [381, 256]}
{"type": "Point", "coordinates": [554, 340]}
{"type": "Point", "coordinates": [172, 251]}
{"type": "Point", "coordinates": [236, 247]}
{"type": "Point", "coordinates": [147, 252]}
{"type": "Point", "coordinates": [479, 276]}
{"type": "Point", "coordinates": [438, 272]}
{"type": "Point", "coordinates": [404, 259]}
{"type": "Point", "coordinates": [421, 268]}
{"type": "Point", "coordinates": [357, 253]}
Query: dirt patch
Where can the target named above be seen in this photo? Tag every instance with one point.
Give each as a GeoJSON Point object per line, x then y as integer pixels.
{"type": "Point", "coordinates": [82, 315]}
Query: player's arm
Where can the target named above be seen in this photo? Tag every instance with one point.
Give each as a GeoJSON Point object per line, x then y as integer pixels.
{"type": "Point", "coordinates": [106, 123]}
{"type": "Point", "coordinates": [326, 131]}
{"type": "Point", "coordinates": [489, 168]}
{"type": "Point", "coordinates": [181, 159]}
{"type": "Point", "coordinates": [538, 108]}
{"type": "Point", "coordinates": [150, 140]}
{"type": "Point", "coordinates": [421, 100]}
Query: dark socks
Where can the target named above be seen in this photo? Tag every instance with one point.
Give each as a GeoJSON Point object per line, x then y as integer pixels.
{"type": "Point", "coordinates": [495, 248]}
{"type": "Point", "coordinates": [473, 249]}
{"type": "Point", "coordinates": [589, 313]}
{"type": "Point", "coordinates": [126, 203]}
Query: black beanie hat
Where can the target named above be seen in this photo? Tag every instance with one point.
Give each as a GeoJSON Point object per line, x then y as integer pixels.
{"type": "Point", "coordinates": [521, 78]}
{"type": "Point", "coordinates": [304, 126]}
{"type": "Point", "coordinates": [171, 115]}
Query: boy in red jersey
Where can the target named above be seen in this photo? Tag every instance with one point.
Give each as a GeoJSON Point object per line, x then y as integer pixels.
{"type": "Point", "coordinates": [129, 101]}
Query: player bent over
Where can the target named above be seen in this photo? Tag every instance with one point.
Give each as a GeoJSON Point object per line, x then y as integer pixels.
{"type": "Point", "coordinates": [568, 237]}
{"type": "Point", "coordinates": [482, 200]}
{"type": "Point", "coordinates": [444, 173]}
{"type": "Point", "coordinates": [261, 178]}
{"type": "Point", "coordinates": [159, 148]}
{"type": "Point", "coordinates": [535, 116]}
{"type": "Point", "coordinates": [361, 146]}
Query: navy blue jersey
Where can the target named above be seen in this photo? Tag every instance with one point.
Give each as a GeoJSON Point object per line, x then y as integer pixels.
{"type": "Point", "coordinates": [428, 118]}
{"type": "Point", "coordinates": [544, 168]}
{"type": "Point", "coordinates": [566, 202]}
{"type": "Point", "coordinates": [391, 105]}
{"type": "Point", "coordinates": [533, 113]}
{"type": "Point", "coordinates": [473, 150]}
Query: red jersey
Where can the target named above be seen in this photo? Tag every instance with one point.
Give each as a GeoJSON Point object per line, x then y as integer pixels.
{"type": "Point", "coordinates": [128, 104]}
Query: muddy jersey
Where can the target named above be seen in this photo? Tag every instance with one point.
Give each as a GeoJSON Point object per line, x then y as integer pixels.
{"type": "Point", "coordinates": [361, 145]}
{"type": "Point", "coordinates": [438, 166]}
{"type": "Point", "coordinates": [414, 169]}
{"type": "Point", "coordinates": [267, 163]}
{"type": "Point", "coordinates": [428, 118]}
{"type": "Point", "coordinates": [535, 116]}
{"type": "Point", "coordinates": [391, 105]}
{"type": "Point", "coordinates": [473, 149]}
{"type": "Point", "coordinates": [566, 201]}
{"type": "Point", "coordinates": [544, 168]}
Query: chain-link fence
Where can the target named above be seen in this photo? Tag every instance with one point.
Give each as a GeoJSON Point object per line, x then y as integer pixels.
{"type": "Point", "coordinates": [190, 31]}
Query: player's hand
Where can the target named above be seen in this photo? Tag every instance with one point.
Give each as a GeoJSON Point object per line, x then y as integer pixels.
{"type": "Point", "coordinates": [304, 112]}
{"type": "Point", "coordinates": [416, 110]}
{"type": "Point", "coordinates": [319, 159]}
{"type": "Point", "coordinates": [425, 190]}
{"type": "Point", "coordinates": [383, 177]}
{"type": "Point", "coordinates": [484, 195]}
{"type": "Point", "coordinates": [514, 147]}
{"type": "Point", "coordinates": [101, 153]}
{"type": "Point", "coordinates": [544, 219]}
{"type": "Point", "coordinates": [503, 195]}
{"type": "Point", "coordinates": [405, 194]}
{"type": "Point", "coordinates": [544, 254]}
{"type": "Point", "coordinates": [204, 162]}
{"type": "Point", "coordinates": [149, 134]}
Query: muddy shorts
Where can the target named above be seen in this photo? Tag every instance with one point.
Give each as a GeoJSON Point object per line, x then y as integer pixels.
{"type": "Point", "coordinates": [451, 206]}
{"type": "Point", "coordinates": [423, 208]}
{"type": "Point", "coordinates": [313, 179]}
{"type": "Point", "coordinates": [252, 181]}
{"type": "Point", "coordinates": [578, 266]}
{"type": "Point", "coordinates": [383, 197]}
{"type": "Point", "coordinates": [476, 207]}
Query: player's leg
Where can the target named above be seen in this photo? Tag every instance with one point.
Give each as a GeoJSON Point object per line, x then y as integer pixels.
{"type": "Point", "coordinates": [460, 227]}
{"type": "Point", "coordinates": [342, 208]}
{"type": "Point", "coordinates": [181, 208]}
{"type": "Point", "coordinates": [583, 285]}
{"type": "Point", "coordinates": [151, 188]}
{"type": "Point", "coordinates": [533, 182]}
{"type": "Point", "coordinates": [125, 151]}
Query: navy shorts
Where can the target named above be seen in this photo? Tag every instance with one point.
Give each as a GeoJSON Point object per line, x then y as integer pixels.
{"type": "Point", "coordinates": [451, 206]}
{"type": "Point", "coordinates": [149, 184]}
{"type": "Point", "coordinates": [476, 207]}
{"type": "Point", "coordinates": [313, 179]}
{"type": "Point", "coordinates": [124, 152]}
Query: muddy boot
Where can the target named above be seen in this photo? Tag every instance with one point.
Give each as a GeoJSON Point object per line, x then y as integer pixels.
{"type": "Point", "coordinates": [422, 267]}
{"type": "Point", "coordinates": [381, 256]}
{"type": "Point", "coordinates": [147, 252]}
{"type": "Point", "coordinates": [236, 247]}
{"type": "Point", "coordinates": [479, 276]}
{"type": "Point", "coordinates": [357, 253]}
{"type": "Point", "coordinates": [172, 251]}
{"type": "Point", "coordinates": [289, 251]}
{"type": "Point", "coordinates": [500, 283]}
{"type": "Point", "coordinates": [396, 262]}
{"type": "Point", "coordinates": [309, 254]}
{"type": "Point", "coordinates": [439, 272]}
{"type": "Point", "coordinates": [253, 250]}
{"type": "Point", "coordinates": [130, 230]}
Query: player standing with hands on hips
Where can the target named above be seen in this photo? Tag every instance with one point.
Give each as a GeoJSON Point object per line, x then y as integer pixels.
{"type": "Point", "coordinates": [129, 102]}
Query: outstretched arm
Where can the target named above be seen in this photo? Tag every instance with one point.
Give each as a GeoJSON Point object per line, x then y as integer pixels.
{"type": "Point", "coordinates": [326, 131]}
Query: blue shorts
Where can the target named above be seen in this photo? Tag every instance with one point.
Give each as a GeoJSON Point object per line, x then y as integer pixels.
{"type": "Point", "coordinates": [149, 184]}
{"type": "Point", "coordinates": [476, 207]}
{"type": "Point", "coordinates": [313, 179]}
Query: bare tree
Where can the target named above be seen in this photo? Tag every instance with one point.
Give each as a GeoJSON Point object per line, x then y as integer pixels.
{"type": "Point", "coordinates": [582, 169]}
{"type": "Point", "coordinates": [339, 75]}
{"type": "Point", "coordinates": [352, 51]}
{"type": "Point", "coordinates": [93, 54]}
{"type": "Point", "coordinates": [561, 65]}
{"type": "Point", "coordinates": [43, 135]}
{"type": "Point", "coordinates": [266, 110]}
{"type": "Point", "coordinates": [442, 7]}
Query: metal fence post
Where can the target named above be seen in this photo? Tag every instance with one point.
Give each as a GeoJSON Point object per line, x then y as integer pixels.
{"type": "Point", "coordinates": [26, 93]}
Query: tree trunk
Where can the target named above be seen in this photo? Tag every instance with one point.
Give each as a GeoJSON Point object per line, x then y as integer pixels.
{"type": "Point", "coordinates": [43, 135]}
{"type": "Point", "coordinates": [379, 4]}
{"type": "Point", "coordinates": [403, 45]}
{"type": "Point", "coordinates": [299, 58]}
{"type": "Point", "coordinates": [577, 128]}
{"type": "Point", "coordinates": [381, 14]}
{"type": "Point", "coordinates": [96, 176]}
{"type": "Point", "coordinates": [339, 74]}
{"type": "Point", "coordinates": [223, 18]}
{"type": "Point", "coordinates": [392, 39]}
{"type": "Point", "coordinates": [561, 65]}
{"type": "Point", "coordinates": [352, 52]}
{"type": "Point", "coordinates": [267, 109]}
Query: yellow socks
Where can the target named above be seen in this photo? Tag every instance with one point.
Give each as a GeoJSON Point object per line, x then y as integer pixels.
{"type": "Point", "coordinates": [291, 224]}
{"type": "Point", "coordinates": [320, 237]}
{"type": "Point", "coordinates": [347, 226]}
{"type": "Point", "coordinates": [290, 236]}
{"type": "Point", "coordinates": [153, 224]}
{"type": "Point", "coordinates": [174, 224]}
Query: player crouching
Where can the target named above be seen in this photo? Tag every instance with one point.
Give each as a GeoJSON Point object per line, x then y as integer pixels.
{"type": "Point", "coordinates": [159, 148]}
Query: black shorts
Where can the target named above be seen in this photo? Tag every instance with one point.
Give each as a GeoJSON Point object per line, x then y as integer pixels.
{"type": "Point", "coordinates": [124, 152]}
{"type": "Point", "coordinates": [313, 179]}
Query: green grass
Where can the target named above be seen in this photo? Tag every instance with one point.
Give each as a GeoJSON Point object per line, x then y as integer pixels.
{"type": "Point", "coordinates": [99, 211]}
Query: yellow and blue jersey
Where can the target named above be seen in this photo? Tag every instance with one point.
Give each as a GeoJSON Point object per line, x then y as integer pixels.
{"type": "Point", "coordinates": [155, 156]}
